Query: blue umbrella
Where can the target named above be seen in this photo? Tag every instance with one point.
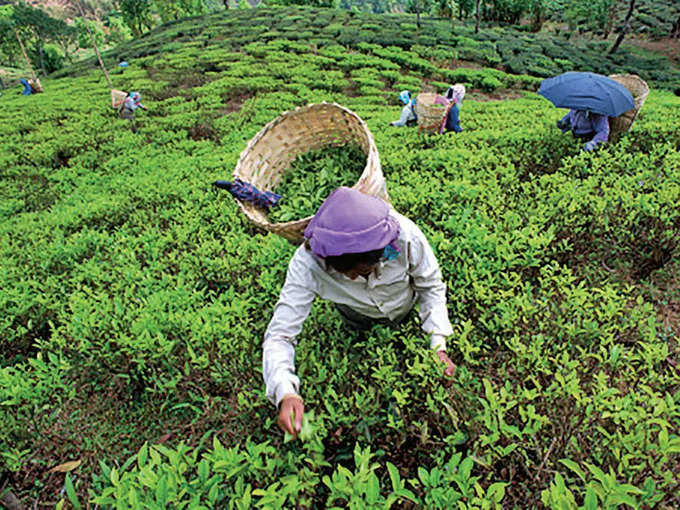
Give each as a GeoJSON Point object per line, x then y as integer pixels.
{"type": "Point", "coordinates": [587, 91]}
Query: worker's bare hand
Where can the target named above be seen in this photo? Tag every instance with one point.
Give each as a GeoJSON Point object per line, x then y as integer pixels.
{"type": "Point", "coordinates": [450, 367]}
{"type": "Point", "coordinates": [291, 410]}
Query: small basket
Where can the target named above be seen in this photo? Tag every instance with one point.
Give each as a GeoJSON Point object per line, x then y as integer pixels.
{"type": "Point", "coordinates": [35, 85]}
{"type": "Point", "coordinates": [268, 156]}
{"type": "Point", "coordinates": [430, 115]}
{"type": "Point", "coordinates": [639, 90]}
{"type": "Point", "coordinates": [117, 98]}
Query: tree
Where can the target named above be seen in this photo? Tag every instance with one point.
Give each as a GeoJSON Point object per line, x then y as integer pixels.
{"type": "Point", "coordinates": [66, 38]}
{"type": "Point", "coordinates": [119, 32]}
{"type": "Point", "coordinates": [137, 15]}
{"type": "Point", "coordinates": [38, 25]}
{"type": "Point", "coordinates": [675, 31]}
{"type": "Point", "coordinates": [444, 8]}
{"type": "Point", "coordinates": [9, 45]}
{"type": "Point", "coordinates": [175, 9]}
{"type": "Point", "coordinates": [308, 3]}
{"type": "Point", "coordinates": [539, 10]}
{"type": "Point", "coordinates": [624, 29]}
{"type": "Point", "coordinates": [591, 15]}
{"type": "Point", "coordinates": [418, 6]}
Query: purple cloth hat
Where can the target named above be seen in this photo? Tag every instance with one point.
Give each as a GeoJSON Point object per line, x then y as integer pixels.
{"type": "Point", "coordinates": [351, 222]}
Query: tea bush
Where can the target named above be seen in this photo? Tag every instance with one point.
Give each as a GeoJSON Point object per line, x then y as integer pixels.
{"type": "Point", "coordinates": [134, 296]}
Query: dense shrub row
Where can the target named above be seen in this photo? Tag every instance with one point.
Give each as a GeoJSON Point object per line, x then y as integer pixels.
{"type": "Point", "coordinates": [135, 296]}
{"type": "Point", "coordinates": [511, 50]}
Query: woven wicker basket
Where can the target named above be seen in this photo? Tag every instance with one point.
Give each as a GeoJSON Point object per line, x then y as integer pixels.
{"type": "Point", "coordinates": [268, 156]}
{"type": "Point", "coordinates": [117, 98]}
{"type": "Point", "coordinates": [35, 85]}
{"type": "Point", "coordinates": [639, 90]}
{"type": "Point", "coordinates": [430, 115]}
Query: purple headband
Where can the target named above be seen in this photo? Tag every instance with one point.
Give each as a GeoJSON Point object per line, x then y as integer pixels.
{"type": "Point", "coordinates": [351, 222]}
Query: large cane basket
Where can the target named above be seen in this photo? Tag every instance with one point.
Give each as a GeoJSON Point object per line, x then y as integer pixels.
{"type": "Point", "coordinates": [430, 115]}
{"type": "Point", "coordinates": [268, 156]}
{"type": "Point", "coordinates": [639, 90]}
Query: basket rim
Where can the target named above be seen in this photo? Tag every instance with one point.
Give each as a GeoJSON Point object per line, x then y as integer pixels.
{"type": "Point", "coordinates": [281, 228]}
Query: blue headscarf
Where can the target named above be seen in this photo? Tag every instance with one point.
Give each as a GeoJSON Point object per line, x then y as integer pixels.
{"type": "Point", "coordinates": [405, 96]}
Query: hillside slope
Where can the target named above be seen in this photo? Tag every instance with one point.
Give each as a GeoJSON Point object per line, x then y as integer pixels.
{"type": "Point", "coordinates": [135, 295]}
{"type": "Point", "coordinates": [438, 41]}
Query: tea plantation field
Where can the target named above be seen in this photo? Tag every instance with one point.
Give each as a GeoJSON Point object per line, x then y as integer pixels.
{"type": "Point", "coordinates": [134, 296]}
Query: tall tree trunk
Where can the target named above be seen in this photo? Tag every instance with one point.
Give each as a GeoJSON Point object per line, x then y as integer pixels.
{"type": "Point", "coordinates": [226, 4]}
{"type": "Point", "coordinates": [675, 31]}
{"type": "Point", "coordinates": [28, 62]}
{"type": "Point", "coordinates": [626, 26]}
{"type": "Point", "coordinates": [94, 45]}
{"type": "Point", "coordinates": [418, 13]}
{"type": "Point", "coordinates": [478, 16]}
{"type": "Point", "coordinates": [42, 61]}
{"type": "Point", "coordinates": [610, 22]}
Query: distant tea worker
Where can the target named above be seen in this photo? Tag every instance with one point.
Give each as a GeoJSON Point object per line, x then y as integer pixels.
{"type": "Point", "coordinates": [408, 114]}
{"type": "Point", "coordinates": [452, 100]}
{"type": "Point", "coordinates": [370, 261]}
{"type": "Point", "coordinates": [590, 127]}
{"type": "Point", "coordinates": [28, 90]}
{"type": "Point", "coordinates": [127, 110]}
{"type": "Point", "coordinates": [592, 99]}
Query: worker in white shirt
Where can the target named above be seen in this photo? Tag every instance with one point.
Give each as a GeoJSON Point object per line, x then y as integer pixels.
{"type": "Point", "coordinates": [374, 264]}
{"type": "Point", "coordinates": [408, 115]}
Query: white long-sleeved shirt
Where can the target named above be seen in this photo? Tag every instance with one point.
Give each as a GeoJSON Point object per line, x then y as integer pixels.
{"type": "Point", "coordinates": [389, 292]}
{"type": "Point", "coordinates": [407, 114]}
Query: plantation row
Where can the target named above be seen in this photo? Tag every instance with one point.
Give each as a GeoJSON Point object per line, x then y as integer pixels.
{"type": "Point", "coordinates": [135, 297]}
{"type": "Point", "coordinates": [438, 42]}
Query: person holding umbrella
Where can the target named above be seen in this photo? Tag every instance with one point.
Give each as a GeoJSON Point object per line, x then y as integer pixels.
{"type": "Point", "coordinates": [591, 98]}
{"type": "Point", "coordinates": [586, 125]}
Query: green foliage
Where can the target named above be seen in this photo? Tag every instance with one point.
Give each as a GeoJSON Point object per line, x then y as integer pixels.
{"type": "Point", "coordinates": [136, 14]}
{"type": "Point", "coordinates": [311, 178]}
{"type": "Point", "coordinates": [134, 296]}
{"type": "Point", "coordinates": [39, 27]}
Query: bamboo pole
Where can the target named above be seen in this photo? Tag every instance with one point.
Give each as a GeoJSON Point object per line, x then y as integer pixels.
{"type": "Point", "coordinates": [94, 45]}
{"type": "Point", "coordinates": [28, 62]}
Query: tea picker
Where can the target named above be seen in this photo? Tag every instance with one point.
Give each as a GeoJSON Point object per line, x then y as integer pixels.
{"type": "Point", "coordinates": [125, 103]}
{"type": "Point", "coordinates": [32, 86]}
{"type": "Point", "coordinates": [440, 114]}
{"type": "Point", "coordinates": [592, 99]}
{"type": "Point", "coordinates": [356, 251]}
{"type": "Point", "coordinates": [452, 101]}
{"type": "Point", "coordinates": [374, 265]}
{"type": "Point", "coordinates": [408, 115]}
{"type": "Point", "coordinates": [28, 90]}
{"type": "Point", "coordinates": [127, 108]}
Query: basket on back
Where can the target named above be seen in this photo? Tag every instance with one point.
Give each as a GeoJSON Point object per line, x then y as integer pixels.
{"type": "Point", "coordinates": [430, 115]}
{"type": "Point", "coordinates": [35, 85]}
{"type": "Point", "coordinates": [268, 156]}
{"type": "Point", "coordinates": [117, 98]}
{"type": "Point", "coordinates": [639, 90]}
